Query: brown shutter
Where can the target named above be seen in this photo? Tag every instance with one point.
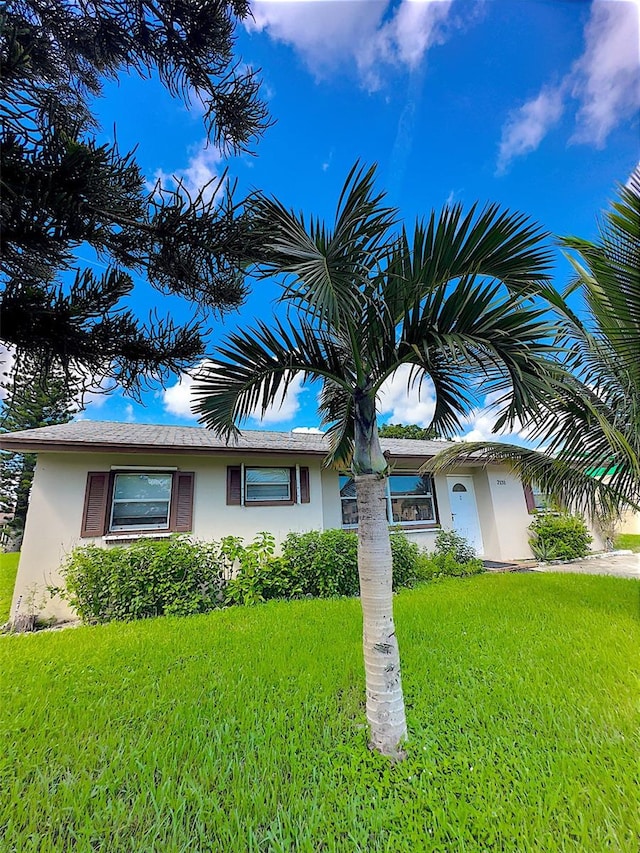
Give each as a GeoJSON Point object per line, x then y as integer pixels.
{"type": "Point", "coordinates": [94, 515]}
{"type": "Point", "coordinates": [182, 509]}
{"type": "Point", "coordinates": [304, 485]}
{"type": "Point", "coordinates": [234, 485]}
{"type": "Point", "coordinates": [529, 498]}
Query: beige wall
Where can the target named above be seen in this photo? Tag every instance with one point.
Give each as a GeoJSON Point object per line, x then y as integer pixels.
{"type": "Point", "coordinates": [630, 522]}
{"type": "Point", "coordinates": [57, 498]}
{"type": "Point", "coordinates": [55, 511]}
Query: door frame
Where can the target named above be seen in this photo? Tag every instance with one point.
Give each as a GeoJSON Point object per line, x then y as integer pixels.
{"type": "Point", "coordinates": [468, 482]}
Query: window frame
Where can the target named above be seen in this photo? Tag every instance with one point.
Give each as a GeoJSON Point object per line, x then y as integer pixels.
{"type": "Point", "coordinates": [120, 529]}
{"type": "Point", "coordinates": [404, 525]}
{"type": "Point", "coordinates": [299, 486]}
{"type": "Point", "coordinates": [291, 486]}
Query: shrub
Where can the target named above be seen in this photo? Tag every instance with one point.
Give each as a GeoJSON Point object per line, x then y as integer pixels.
{"type": "Point", "coordinates": [147, 578]}
{"type": "Point", "coordinates": [260, 575]}
{"type": "Point", "coordinates": [450, 542]}
{"type": "Point", "coordinates": [325, 563]}
{"type": "Point", "coordinates": [557, 536]}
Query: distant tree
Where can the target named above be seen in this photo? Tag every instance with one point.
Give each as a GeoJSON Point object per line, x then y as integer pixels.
{"type": "Point", "coordinates": [407, 431]}
{"type": "Point", "coordinates": [29, 403]}
{"type": "Point", "coordinates": [62, 189]}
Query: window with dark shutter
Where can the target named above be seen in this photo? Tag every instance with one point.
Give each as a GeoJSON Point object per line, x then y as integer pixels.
{"type": "Point", "coordinates": [529, 498]}
{"type": "Point", "coordinates": [94, 516]}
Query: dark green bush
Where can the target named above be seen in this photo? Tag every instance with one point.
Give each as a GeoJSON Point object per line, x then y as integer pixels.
{"type": "Point", "coordinates": [325, 563]}
{"type": "Point", "coordinates": [147, 578]}
{"type": "Point", "coordinates": [556, 536]}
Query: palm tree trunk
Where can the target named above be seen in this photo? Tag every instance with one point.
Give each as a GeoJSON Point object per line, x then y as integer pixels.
{"type": "Point", "coordinates": [385, 701]}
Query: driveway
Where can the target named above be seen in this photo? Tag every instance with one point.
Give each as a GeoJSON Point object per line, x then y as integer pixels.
{"type": "Point", "coordinates": [617, 565]}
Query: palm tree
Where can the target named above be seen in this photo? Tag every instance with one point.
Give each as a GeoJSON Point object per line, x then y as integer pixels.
{"type": "Point", "coordinates": [591, 430]}
{"type": "Point", "coordinates": [454, 301]}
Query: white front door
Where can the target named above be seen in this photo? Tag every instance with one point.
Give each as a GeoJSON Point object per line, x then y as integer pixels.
{"type": "Point", "coordinates": [464, 512]}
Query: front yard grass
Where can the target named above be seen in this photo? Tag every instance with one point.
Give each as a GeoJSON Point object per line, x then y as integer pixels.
{"type": "Point", "coordinates": [244, 730]}
{"type": "Point", "coordinates": [8, 571]}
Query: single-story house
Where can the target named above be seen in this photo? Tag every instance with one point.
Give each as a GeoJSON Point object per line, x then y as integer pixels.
{"type": "Point", "coordinates": [105, 483]}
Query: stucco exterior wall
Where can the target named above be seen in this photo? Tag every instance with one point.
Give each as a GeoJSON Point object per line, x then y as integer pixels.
{"type": "Point", "coordinates": [630, 522]}
{"type": "Point", "coordinates": [57, 498]}
{"type": "Point", "coordinates": [55, 512]}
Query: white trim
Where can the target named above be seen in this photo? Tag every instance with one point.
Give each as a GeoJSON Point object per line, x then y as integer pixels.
{"type": "Point", "coordinates": [298, 495]}
{"type": "Point", "coordinates": [150, 468]}
{"type": "Point", "coordinates": [144, 534]}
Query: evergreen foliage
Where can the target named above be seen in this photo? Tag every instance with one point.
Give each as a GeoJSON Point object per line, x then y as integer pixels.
{"type": "Point", "coordinates": [559, 536]}
{"type": "Point", "coordinates": [61, 189]}
{"type": "Point", "coordinates": [31, 401]}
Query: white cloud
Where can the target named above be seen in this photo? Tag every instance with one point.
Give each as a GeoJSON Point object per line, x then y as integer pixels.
{"type": "Point", "coordinates": [604, 82]}
{"type": "Point", "coordinates": [479, 423]}
{"type": "Point", "coordinates": [404, 401]}
{"type": "Point", "coordinates": [367, 32]}
{"type": "Point", "coordinates": [285, 407]}
{"type": "Point", "coordinates": [203, 169]}
{"type": "Point", "coordinates": [607, 76]}
{"type": "Point", "coordinates": [178, 399]}
{"type": "Point", "coordinates": [308, 430]}
{"type": "Point", "coordinates": [526, 127]}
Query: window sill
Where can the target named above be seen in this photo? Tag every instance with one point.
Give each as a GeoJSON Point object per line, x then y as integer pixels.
{"type": "Point", "coordinates": [137, 534]}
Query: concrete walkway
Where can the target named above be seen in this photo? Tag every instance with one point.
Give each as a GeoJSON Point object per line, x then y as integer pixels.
{"type": "Point", "coordinates": [621, 565]}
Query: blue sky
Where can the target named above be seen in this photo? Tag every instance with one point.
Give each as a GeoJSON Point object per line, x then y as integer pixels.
{"type": "Point", "coordinates": [530, 103]}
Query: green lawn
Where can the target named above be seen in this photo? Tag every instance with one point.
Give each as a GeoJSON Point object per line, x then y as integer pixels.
{"type": "Point", "coordinates": [8, 570]}
{"type": "Point", "coordinates": [243, 730]}
{"type": "Point", "coordinates": [628, 541]}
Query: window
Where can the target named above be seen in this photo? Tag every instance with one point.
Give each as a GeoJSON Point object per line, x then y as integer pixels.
{"type": "Point", "coordinates": [141, 502]}
{"type": "Point", "coordinates": [253, 486]}
{"type": "Point", "coordinates": [536, 499]}
{"type": "Point", "coordinates": [267, 484]}
{"type": "Point", "coordinates": [410, 500]}
{"type": "Point", "coordinates": [121, 502]}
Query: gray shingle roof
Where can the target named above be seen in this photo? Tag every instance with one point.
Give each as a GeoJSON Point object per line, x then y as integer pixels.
{"type": "Point", "coordinates": [111, 435]}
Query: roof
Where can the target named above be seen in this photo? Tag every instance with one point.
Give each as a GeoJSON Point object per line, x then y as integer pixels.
{"type": "Point", "coordinates": [105, 436]}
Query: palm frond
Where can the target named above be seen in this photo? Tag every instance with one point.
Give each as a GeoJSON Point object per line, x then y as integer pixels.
{"type": "Point", "coordinates": [336, 408]}
{"type": "Point", "coordinates": [569, 481]}
{"type": "Point", "coordinates": [252, 369]}
{"type": "Point", "coordinates": [325, 270]}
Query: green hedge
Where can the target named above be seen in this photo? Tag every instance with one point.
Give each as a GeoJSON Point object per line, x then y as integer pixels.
{"type": "Point", "coordinates": [148, 578]}
{"type": "Point", "coordinates": [182, 577]}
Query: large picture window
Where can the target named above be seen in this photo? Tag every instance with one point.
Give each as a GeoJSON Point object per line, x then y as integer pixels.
{"type": "Point", "coordinates": [410, 500]}
{"type": "Point", "coordinates": [141, 502]}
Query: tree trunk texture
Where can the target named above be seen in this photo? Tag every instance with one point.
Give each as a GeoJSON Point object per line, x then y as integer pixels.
{"type": "Point", "coordinates": [385, 701]}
